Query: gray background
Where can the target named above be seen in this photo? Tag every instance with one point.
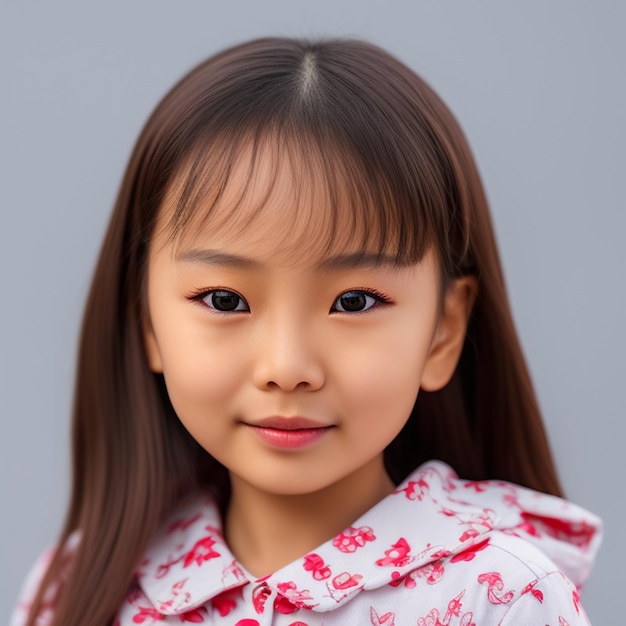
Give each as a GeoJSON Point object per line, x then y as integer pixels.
{"type": "Point", "coordinates": [537, 85]}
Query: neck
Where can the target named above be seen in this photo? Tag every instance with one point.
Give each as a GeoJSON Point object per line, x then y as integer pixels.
{"type": "Point", "coordinates": [266, 531]}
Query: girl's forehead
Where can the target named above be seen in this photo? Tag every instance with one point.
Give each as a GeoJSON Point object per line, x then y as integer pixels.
{"type": "Point", "coordinates": [269, 196]}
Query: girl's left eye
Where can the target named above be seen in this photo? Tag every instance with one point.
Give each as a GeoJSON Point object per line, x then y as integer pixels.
{"type": "Point", "coordinates": [224, 301]}
{"type": "Point", "coordinates": [357, 301]}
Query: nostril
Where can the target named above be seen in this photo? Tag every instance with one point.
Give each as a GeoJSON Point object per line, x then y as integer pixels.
{"type": "Point", "coordinates": [288, 362]}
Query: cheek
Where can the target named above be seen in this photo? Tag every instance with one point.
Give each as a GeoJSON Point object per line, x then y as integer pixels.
{"type": "Point", "coordinates": [384, 373]}
{"type": "Point", "coordinates": [200, 378]}
{"type": "Point", "coordinates": [388, 392]}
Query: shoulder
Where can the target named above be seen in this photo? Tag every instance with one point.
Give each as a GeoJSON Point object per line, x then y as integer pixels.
{"type": "Point", "coordinates": [504, 579]}
{"type": "Point", "coordinates": [539, 591]}
{"type": "Point", "coordinates": [536, 586]}
{"type": "Point", "coordinates": [29, 591]}
{"type": "Point", "coordinates": [33, 581]}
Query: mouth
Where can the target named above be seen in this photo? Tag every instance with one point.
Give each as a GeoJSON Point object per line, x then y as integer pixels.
{"type": "Point", "coordinates": [289, 432]}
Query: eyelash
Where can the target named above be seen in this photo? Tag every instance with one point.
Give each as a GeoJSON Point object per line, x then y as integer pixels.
{"type": "Point", "coordinates": [380, 298]}
{"type": "Point", "coordinates": [198, 296]}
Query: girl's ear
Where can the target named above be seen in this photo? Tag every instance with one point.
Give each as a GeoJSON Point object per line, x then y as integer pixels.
{"type": "Point", "coordinates": [449, 335]}
{"type": "Point", "coordinates": [152, 347]}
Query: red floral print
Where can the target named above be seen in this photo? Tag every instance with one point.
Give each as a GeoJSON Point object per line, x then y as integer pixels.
{"type": "Point", "coordinates": [298, 597]}
{"type": "Point", "coordinates": [260, 596]}
{"type": "Point", "coordinates": [397, 555]}
{"type": "Point", "coordinates": [576, 599]}
{"type": "Point", "coordinates": [346, 580]}
{"type": "Point", "coordinates": [225, 603]}
{"type": "Point", "coordinates": [415, 489]}
{"type": "Point", "coordinates": [470, 553]}
{"type": "Point", "coordinates": [195, 616]}
{"type": "Point", "coordinates": [201, 551]}
{"type": "Point", "coordinates": [146, 612]}
{"type": "Point", "coordinates": [530, 588]}
{"type": "Point", "coordinates": [387, 619]}
{"type": "Point", "coordinates": [353, 538]}
{"type": "Point", "coordinates": [314, 563]}
{"type": "Point", "coordinates": [436, 552]}
{"type": "Point", "coordinates": [494, 583]}
{"type": "Point", "coordinates": [284, 606]}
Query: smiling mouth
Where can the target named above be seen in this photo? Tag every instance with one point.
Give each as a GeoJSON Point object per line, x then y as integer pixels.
{"type": "Point", "coordinates": [289, 432]}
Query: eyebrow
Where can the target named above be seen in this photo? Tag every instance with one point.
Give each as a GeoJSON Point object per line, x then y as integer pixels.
{"type": "Point", "coordinates": [217, 258]}
{"type": "Point", "coordinates": [355, 260]}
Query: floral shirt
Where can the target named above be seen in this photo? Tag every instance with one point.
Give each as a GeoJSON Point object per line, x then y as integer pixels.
{"type": "Point", "coordinates": [438, 551]}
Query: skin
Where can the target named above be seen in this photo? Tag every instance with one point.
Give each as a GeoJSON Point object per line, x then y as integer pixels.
{"type": "Point", "coordinates": [288, 349]}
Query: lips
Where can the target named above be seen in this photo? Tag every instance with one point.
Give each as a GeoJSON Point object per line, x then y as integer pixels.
{"type": "Point", "coordinates": [289, 432]}
{"type": "Point", "coordinates": [288, 423]}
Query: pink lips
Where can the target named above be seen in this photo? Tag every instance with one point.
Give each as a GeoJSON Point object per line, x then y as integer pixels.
{"type": "Point", "coordinates": [289, 432]}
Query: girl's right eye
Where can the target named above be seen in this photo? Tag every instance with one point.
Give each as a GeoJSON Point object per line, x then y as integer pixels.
{"type": "Point", "coordinates": [224, 301]}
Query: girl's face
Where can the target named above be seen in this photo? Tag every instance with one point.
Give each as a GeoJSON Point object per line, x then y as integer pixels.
{"type": "Point", "coordinates": [293, 366]}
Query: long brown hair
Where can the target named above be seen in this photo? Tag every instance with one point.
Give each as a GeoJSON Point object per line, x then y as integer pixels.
{"type": "Point", "coordinates": [382, 137]}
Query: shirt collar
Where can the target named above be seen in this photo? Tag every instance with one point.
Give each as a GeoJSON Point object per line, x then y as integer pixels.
{"type": "Point", "coordinates": [189, 562]}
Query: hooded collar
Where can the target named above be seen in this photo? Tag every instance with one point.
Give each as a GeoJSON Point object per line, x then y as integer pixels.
{"type": "Point", "coordinates": [435, 515]}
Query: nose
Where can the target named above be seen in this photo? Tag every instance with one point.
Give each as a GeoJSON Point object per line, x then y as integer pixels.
{"type": "Point", "coordinates": [288, 357]}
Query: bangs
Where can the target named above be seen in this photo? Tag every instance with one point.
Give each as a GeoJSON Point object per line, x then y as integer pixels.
{"type": "Point", "coordinates": [335, 201]}
{"type": "Point", "coordinates": [359, 136]}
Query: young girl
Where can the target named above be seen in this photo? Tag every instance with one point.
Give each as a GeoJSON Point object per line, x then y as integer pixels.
{"type": "Point", "coordinates": [300, 245]}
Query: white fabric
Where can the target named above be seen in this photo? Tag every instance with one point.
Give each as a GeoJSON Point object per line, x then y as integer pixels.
{"type": "Point", "coordinates": [438, 551]}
